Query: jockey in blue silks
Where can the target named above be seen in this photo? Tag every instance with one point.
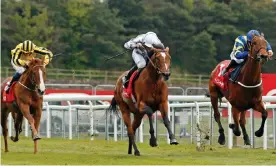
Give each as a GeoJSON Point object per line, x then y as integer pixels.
{"type": "Point", "coordinates": [241, 49]}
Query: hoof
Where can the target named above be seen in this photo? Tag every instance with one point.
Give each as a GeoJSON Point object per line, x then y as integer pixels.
{"type": "Point", "coordinates": [173, 142]}
{"type": "Point", "coordinates": [259, 133]}
{"type": "Point", "coordinates": [237, 132]}
{"type": "Point", "coordinates": [231, 126]}
{"type": "Point", "coordinates": [14, 139]}
{"type": "Point", "coordinates": [36, 138]}
{"type": "Point", "coordinates": [137, 153]}
{"type": "Point", "coordinates": [221, 139]}
{"type": "Point", "coordinates": [153, 142]}
{"type": "Point", "coordinates": [6, 150]}
{"type": "Point", "coordinates": [246, 140]}
{"type": "Point", "coordinates": [207, 137]}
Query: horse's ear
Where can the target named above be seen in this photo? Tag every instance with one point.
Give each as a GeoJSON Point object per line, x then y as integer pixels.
{"type": "Point", "coordinates": [253, 35]}
{"type": "Point", "coordinates": [167, 49]}
{"type": "Point", "coordinates": [262, 34]}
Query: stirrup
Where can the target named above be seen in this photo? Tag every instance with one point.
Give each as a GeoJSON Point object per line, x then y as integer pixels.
{"type": "Point", "coordinates": [124, 81]}
{"type": "Point", "coordinates": [223, 73]}
{"type": "Point", "coordinates": [234, 81]}
{"type": "Point", "coordinates": [7, 89]}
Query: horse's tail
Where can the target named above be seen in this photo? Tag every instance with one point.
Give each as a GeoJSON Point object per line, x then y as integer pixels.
{"type": "Point", "coordinates": [113, 107]}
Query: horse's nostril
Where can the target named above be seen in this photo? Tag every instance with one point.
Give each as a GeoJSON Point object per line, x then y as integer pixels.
{"type": "Point", "coordinates": [40, 91]}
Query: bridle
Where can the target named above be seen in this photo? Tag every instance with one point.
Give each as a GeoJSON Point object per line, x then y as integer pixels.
{"type": "Point", "coordinates": [32, 79]}
{"type": "Point", "coordinates": [155, 60]}
{"type": "Point", "coordinates": [258, 58]}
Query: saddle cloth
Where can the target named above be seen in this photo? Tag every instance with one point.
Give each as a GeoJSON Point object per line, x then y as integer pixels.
{"type": "Point", "coordinates": [127, 92]}
{"type": "Point", "coordinates": [9, 98]}
{"type": "Point", "coordinates": [219, 79]}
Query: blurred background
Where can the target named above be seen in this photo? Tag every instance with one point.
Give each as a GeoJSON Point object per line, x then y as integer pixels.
{"type": "Point", "coordinates": [200, 33]}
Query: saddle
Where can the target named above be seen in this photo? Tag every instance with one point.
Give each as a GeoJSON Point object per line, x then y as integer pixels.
{"type": "Point", "coordinates": [232, 74]}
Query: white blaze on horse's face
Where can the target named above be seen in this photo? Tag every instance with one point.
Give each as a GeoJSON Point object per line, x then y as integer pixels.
{"type": "Point", "coordinates": [163, 54]}
{"type": "Point", "coordinates": [41, 85]}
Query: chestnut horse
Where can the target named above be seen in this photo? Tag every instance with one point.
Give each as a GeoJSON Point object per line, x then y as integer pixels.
{"type": "Point", "coordinates": [246, 93]}
{"type": "Point", "coordinates": [150, 93]}
{"type": "Point", "coordinates": [28, 93]}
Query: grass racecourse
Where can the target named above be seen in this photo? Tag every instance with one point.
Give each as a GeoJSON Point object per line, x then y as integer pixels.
{"type": "Point", "coordinates": [100, 152]}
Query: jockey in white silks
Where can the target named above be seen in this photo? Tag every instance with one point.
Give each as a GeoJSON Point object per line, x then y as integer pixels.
{"type": "Point", "coordinates": [141, 46]}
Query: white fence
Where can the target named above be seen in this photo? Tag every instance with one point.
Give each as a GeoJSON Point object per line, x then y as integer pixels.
{"type": "Point", "coordinates": [194, 101]}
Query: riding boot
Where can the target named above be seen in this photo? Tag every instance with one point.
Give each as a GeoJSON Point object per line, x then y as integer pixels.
{"type": "Point", "coordinates": [125, 79]}
{"type": "Point", "coordinates": [15, 77]}
{"type": "Point", "coordinates": [231, 64]}
{"type": "Point", "coordinates": [138, 73]}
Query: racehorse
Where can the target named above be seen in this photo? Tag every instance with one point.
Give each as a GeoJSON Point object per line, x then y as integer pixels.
{"type": "Point", "coordinates": [28, 93]}
{"type": "Point", "coordinates": [150, 94]}
{"type": "Point", "coordinates": [246, 93]}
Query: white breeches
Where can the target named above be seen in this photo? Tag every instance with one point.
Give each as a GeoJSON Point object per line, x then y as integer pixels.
{"type": "Point", "coordinates": [232, 56]}
{"type": "Point", "coordinates": [18, 69]}
{"type": "Point", "coordinates": [138, 58]}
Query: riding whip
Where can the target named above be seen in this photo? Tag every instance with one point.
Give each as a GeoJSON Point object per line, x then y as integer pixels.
{"type": "Point", "coordinates": [57, 54]}
{"type": "Point", "coordinates": [117, 55]}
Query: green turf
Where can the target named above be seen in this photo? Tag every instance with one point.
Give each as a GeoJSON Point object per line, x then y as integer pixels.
{"type": "Point", "coordinates": [63, 151]}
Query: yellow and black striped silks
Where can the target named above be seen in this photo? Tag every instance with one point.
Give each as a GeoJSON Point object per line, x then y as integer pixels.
{"type": "Point", "coordinates": [26, 51]}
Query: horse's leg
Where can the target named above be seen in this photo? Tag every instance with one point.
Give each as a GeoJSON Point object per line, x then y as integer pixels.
{"type": "Point", "coordinates": [153, 141]}
{"type": "Point", "coordinates": [235, 127]}
{"type": "Point", "coordinates": [25, 109]}
{"type": "Point", "coordinates": [260, 108]}
{"type": "Point", "coordinates": [4, 121]}
{"type": "Point", "coordinates": [214, 101]}
{"type": "Point", "coordinates": [135, 124]}
{"type": "Point", "coordinates": [144, 109]}
{"type": "Point", "coordinates": [163, 107]}
{"type": "Point", "coordinates": [127, 121]}
{"type": "Point", "coordinates": [18, 118]}
{"type": "Point", "coordinates": [37, 117]}
{"type": "Point", "coordinates": [242, 124]}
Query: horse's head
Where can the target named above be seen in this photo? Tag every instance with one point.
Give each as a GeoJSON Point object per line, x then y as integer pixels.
{"type": "Point", "coordinates": [36, 73]}
{"type": "Point", "coordinates": [258, 49]}
{"type": "Point", "coordinates": [161, 60]}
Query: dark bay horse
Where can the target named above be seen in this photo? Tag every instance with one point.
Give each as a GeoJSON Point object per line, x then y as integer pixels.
{"type": "Point", "coordinates": [28, 93]}
{"type": "Point", "coordinates": [151, 94]}
{"type": "Point", "coordinates": [245, 94]}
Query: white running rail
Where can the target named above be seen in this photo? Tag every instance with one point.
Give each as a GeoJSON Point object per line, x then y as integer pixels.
{"type": "Point", "coordinates": [195, 101]}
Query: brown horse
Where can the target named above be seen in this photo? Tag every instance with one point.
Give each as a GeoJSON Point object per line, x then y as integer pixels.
{"type": "Point", "coordinates": [28, 93]}
{"type": "Point", "coordinates": [246, 93]}
{"type": "Point", "coordinates": [150, 93]}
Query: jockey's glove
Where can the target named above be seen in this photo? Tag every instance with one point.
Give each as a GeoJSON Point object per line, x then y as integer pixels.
{"type": "Point", "coordinates": [139, 46]}
{"type": "Point", "coordinates": [270, 53]}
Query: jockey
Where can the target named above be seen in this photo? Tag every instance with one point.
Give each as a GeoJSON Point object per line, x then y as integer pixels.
{"type": "Point", "coordinates": [141, 46]}
{"type": "Point", "coordinates": [241, 49]}
{"type": "Point", "coordinates": [22, 54]}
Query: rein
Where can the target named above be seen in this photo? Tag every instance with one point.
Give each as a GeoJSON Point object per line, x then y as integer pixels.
{"type": "Point", "coordinates": [154, 66]}
{"type": "Point", "coordinates": [26, 87]}
{"type": "Point", "coordinates": [258, 58]}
